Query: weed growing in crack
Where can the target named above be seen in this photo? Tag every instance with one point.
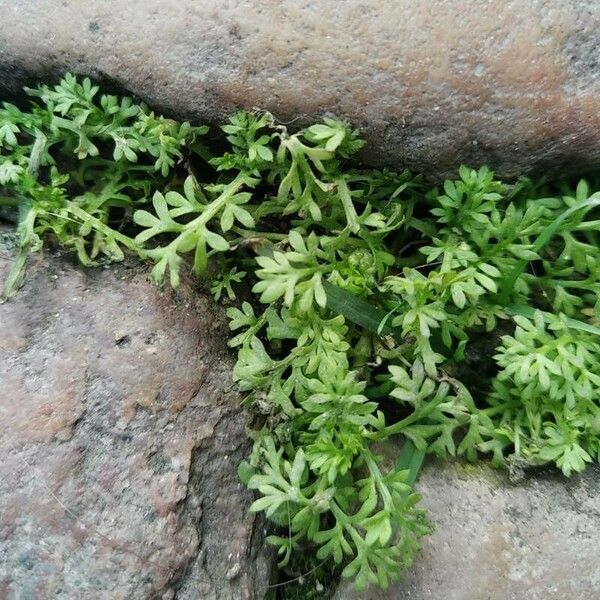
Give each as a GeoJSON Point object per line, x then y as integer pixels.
{"type": "Point", "coordinates": [365, 295]}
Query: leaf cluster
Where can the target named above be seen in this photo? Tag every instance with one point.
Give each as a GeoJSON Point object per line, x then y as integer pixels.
{"type": "Point", "coordinates": [362, 289]}
{"type": "Point", "coordinates": [77, 163]}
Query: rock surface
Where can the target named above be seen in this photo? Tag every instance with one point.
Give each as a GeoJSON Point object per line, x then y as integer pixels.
{"type": "Point", "coordinates": [536, 540]}
{"type": "Point", "coordinates": [432, 83]}
{"type": "Point", "coordinates": [120, 440]}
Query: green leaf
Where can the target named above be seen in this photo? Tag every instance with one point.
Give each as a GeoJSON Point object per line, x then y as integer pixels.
{"type": "Point", "coordinates": [356, 309]}
{"type": "Point", "coordinates": [245, 472]}
{"type": "Point", "coordinates": [411, 460]}
{"type": "Point", "coordinates": [16, 274]}
{"type": "Point", "coordinates": [509, 281]}
{"type": "Point", "coordinates": [529, 312]}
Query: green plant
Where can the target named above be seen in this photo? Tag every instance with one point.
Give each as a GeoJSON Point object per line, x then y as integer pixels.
{"type": "Point", "coordinates": [78, 163]}
{"type": "Point", "coordinates": [362, 288]}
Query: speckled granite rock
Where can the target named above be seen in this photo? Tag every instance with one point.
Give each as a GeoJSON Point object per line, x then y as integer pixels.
{"type": "Point", "coordinates": [432, 83]}
{"type": "Point", "coordinates": [120, 440]}
{"type": "Point", "coordinates": [534, 540]}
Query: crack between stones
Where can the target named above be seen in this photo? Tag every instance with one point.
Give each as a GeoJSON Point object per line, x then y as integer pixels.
{"type": "Point", "coordinates": [197, 475]}
{"type": "Point", "coordinates": [180, 577]}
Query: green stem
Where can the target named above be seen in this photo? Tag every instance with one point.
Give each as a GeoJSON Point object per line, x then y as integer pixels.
{"type": "Point", "coordinates": [85, 217]}
{"type": "Point", "coordinates": [552, 283]}
{"type": "Point", "coordinates": [342, 518]}
{"type": "Point", "coordinates": [398, 427]}
{"type": "Point", "coordinates": [210, 212]}
{"type": "Point", "coordinates": [376, 474]}
{"type": "Point", "coordinates": [296, 147]}
{"type": "Point", "coordinates": [36, 153]}
{"type": "Point", "coordinates": [8, 201]}
{"type": "Point", "coordinates": [249, 234]}
{"type": "Point", "coordinates": [494, 410]}
{"type": "Point", "coordinates": [346, 198]}
{"type": "Point", "coordinates": [588, 226]}
{"type": "Point", "coordinates": [218, 204]}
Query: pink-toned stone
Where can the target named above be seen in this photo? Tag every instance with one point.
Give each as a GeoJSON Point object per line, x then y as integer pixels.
{"type": "Point", "coordinates": [120, 440]}
{"type": "Point", "coordinates": [432, 83]}
{"type": "Point", "coordinates": [535, 539]}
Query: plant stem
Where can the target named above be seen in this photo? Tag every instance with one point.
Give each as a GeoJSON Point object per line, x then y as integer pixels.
{"type": "Point", "coordinates": [588, 226]}
{"type": "Point", "coordinates": [100, 226]}
{"type": "Point", "coordinates": [214, 207]}
{"type": "Point", "coordinates": [494, 410]}
{"type": "Point", "coordinates": [249, 234]}
{"type": "Point", "coordinates": [398, 427]}
{"type": "Point", "coordinates": [346, 199]}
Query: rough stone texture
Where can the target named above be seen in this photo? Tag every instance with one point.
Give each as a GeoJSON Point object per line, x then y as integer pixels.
{"type": "Point", "coordinates": [432, 82]}
{"type": "Point", "coordinates": [536, 540]}
{"type": "Point", "coordinates": [120, 441]}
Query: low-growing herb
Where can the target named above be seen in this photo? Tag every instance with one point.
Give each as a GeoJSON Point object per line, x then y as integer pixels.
{"type": "Point", "coordinates": [366, 298]}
